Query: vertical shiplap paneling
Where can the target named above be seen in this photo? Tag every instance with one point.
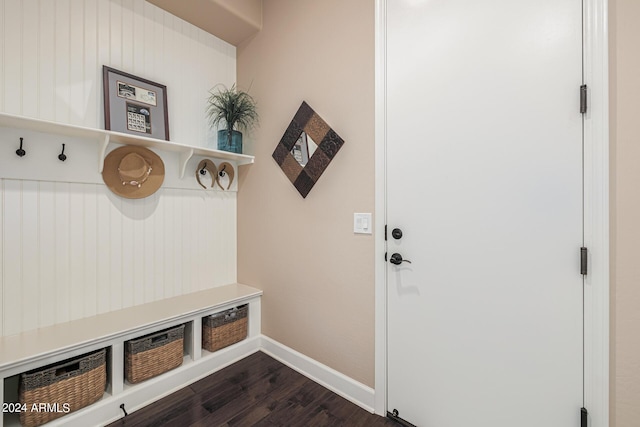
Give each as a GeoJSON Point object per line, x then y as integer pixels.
{"type": "Point", "coordinates": [115, 254]}
{"type": "Point", "coordinates": [178, 250]}
{"type": "Point", "coordinates": [127, 40]}
{"type": "Point", "coordinates": [92, 78]}
{"type": "Point", "coordinates": [138, 37]}
{"type": "Point", "coordinates": [12, 280]}
{"type": "Point", "coordinates": [90, 254]}
{"type": "Point", "coordinates": [158, 248]}
{"type": "Point", "coordinates": [46, 61]}
{"type": "Point", "coordinates": [115, 38]}
{"type": "Point", "coordinates": [75, 229]}
{"type": "Point", "coordinates": [12, 62]}
{"type": "Point", "coordinates": [205, 245]}
{"type": "Point", "coordinates": [88, 251]}
{"type": "Point", "coordinates": [29, 288]}
{"type": "Point", "coordinates": [105, 287]}
{"type": "Point", "coordinates": [128, 253]}
{"type": "Point", "coordinates": [231, 214]}
{"type": "Point", "coordinates": [168, 227]}
{"type": "Point", "coordinates": [200, 84]}
{"type": "Point", "coordinates": [47, 254]}
{"type": "Point", "coordinates": [148, 244]}
{"type": "Point", "coordinates": [199, 242]}
{"type": "Point", "coordinates": [222, 248]}
{"type": "Point", "coordinates": [197, 202]}
{"type": "Point", "coordinates": [30, 65]}
{"type": "Point", "coordinates": [52, 53]}
{"type": "Point", "coordinates": [103, 50]}
{"type": "Point", "coordinates": [77, 96]}
{"type": "Point", "coordinates": [62, 261]}
{"type": "Point", "coordinates": [206, 83]}
{"type": "Point", "coordinates": [138, 255]}
{"type": "Point", "coordinates": [62, 91]}
{"type": "Point", "coordinates": [188, 229]}
{"type": "Point", "coordinates": [150, 41]}
{"type": "Point", "coordinates": [176, 43]}
{"type": "Point", "coordinates": [76, 250]}
{"type": "Point", "coordinates": [208, 234]}
{"type": "Point", "coordinates": [160, 47]}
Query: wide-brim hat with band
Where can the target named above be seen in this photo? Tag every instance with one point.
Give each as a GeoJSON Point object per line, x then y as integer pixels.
{"type": "Point", "coordinates": [133, 172]}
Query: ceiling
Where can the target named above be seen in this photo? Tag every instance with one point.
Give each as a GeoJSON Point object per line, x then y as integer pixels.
{"type": "Point", "coordinates": [234, 21]}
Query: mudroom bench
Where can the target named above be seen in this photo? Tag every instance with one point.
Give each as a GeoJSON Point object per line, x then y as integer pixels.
{"type": "Point", "coordinates": [38, 348]}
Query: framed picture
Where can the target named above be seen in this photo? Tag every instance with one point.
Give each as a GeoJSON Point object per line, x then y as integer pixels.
{"type": "Point", "coordinates": [134, 105]}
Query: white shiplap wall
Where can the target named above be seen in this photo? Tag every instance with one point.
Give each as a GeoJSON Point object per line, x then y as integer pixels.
{"type": "Point", "coordinates": [52, 53]}
{"type": "Point", "coordinates": [73, 249]}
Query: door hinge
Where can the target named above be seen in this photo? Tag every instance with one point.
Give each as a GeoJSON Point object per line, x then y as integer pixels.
{"type": "Point", "coordinates": [385, 232]}
{"type": "Point", "coordinates": [583, 99]}
{"type": "Point", "coordinates": [385, 257]}
{"type": "Point", "coordinates": [395, 416]}
{"type": "Point", "coordinates": [583, 417]}
{"type": "Point", "coordinates": [583, 261]}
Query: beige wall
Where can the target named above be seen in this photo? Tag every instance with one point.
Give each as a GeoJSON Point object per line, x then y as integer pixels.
{"type": "Point", "coordinates": [625, 211]}
{"type": "Point", "coordinates": [317, 276]}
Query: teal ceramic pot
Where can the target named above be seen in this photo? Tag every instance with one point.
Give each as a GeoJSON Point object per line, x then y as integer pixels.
{"type": "Point", "coordinates": [236, 141]}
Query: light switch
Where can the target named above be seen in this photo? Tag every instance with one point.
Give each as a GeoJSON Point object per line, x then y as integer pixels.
{"type": "Point", "coordinates": [362, 223]}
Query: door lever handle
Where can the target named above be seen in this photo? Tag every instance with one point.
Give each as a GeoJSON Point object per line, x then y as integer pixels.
{"type": "Point", "coordinates": [396, 259]}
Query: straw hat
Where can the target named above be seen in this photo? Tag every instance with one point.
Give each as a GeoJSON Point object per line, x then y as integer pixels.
{"type": "Point", "coordinates": [133, 172]}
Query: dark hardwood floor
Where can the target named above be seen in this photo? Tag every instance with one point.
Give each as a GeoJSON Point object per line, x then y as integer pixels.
{"type": "Point", "coordinates": [256, 391]}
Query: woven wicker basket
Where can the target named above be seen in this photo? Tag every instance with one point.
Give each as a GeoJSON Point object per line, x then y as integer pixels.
{"type": "Point", "coordinates": [66, 386]}
{"type": "Point", "coordinates": [225, 328]}
{"type": "Point", "coordinates": [151, 355]}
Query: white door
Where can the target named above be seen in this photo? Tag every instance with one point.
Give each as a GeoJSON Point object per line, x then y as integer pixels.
{"type": "Point", "coordinates": [484, 179]}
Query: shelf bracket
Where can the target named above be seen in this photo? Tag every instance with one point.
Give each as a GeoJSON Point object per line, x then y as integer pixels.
{"type": "Point", "coordinates": [184, 159]}
{"type": "Point", "coordinates": [101, 150]}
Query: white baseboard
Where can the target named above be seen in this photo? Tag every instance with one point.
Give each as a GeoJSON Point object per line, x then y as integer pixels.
{"type": "Point", "coordinates": [327, 377]}
{"type": "Point", "coordinates": [135, 397]}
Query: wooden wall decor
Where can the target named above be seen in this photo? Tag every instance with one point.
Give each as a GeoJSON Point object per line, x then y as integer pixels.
{"type": "Point", "coordinates": [306, 149]}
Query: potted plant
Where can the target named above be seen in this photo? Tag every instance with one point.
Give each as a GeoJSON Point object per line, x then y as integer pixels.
{"type": "Point", "coordinates": [234, 109]}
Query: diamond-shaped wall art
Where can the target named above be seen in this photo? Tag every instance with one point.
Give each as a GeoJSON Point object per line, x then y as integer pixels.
{"type": "Point", "coordinates": [302, 158]}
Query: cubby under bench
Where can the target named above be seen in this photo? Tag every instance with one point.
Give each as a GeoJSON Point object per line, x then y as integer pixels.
{"type": "Point", "coordinates": [35, 349]}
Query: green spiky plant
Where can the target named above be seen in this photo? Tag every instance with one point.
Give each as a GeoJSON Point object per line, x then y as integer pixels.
{"type": "Point", "coordinates": [233, 107]}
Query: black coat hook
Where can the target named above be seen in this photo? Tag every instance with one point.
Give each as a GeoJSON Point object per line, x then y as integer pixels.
{"type": "Point", "coordinates": [62, 156]}
{"type": "Point", "coordinates": [20, 152]}
{"type": "Point", "coordinates": [222, 173]}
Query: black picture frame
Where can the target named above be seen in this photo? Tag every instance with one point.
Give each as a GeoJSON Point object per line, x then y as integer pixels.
{"type": "Point", "coordinates": [134, 105]}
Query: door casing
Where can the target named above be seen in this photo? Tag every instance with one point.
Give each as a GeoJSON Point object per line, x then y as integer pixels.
{"type": "Point", "coordinates": [596, 212]}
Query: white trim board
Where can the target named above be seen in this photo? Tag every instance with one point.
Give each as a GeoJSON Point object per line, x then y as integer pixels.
{"type": "Point", "coordinates": [136, 397]}
{"type": "Point", "coordinates": [327, 377]}
{"type": "Point", "coordinates": [380, 213]}
{"type": "Point", "coordinates": [596, 212]}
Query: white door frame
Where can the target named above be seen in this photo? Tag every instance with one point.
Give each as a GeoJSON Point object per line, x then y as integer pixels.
{"type": "Point", "coordinates": [596, 212]}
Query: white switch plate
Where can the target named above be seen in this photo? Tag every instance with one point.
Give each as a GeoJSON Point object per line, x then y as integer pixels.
{"type": "Point", "coordinates": [362, 223]}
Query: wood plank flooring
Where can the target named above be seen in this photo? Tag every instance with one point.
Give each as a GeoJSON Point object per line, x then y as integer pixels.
{"type": "Point", "coordinates": [256, 391]}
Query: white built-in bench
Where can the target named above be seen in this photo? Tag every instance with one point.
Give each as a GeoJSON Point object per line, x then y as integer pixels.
{"type": "Point", "coordinates": [29, 350]}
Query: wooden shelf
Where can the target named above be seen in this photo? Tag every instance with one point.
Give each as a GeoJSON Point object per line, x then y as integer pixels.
{"type": "Point", "coordinates": [104, 137]}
